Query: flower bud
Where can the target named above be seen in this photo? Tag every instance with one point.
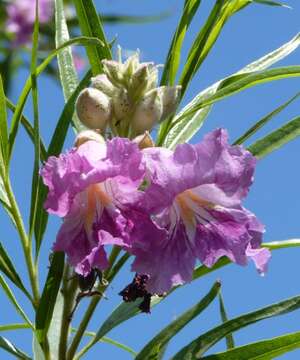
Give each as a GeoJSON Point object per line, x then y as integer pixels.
{"type": "Point", "coordinates": [102, 83]}
{"type": "Point", "coordinates": [88, 135]}
{"type": "Point", "coordinates": [121, 105]}
{"type": "Point", "coordinates": [170, 96]}
{"type": "Point", "coordinates": [114, 71]}
{"type": "Point", "coordinates": [93, 108]}
{"type": "Point", "coordinates": [139, 81]}
{"type": "Point", "coordinates": [147, 113]}
{"type": "Point", "coordinates": [131, 64]}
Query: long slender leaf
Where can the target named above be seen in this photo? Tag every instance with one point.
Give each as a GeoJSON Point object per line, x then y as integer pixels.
{"type": "Point", "coordinates": [3, 125]}
{"type": "Point", "coordinates": [36, 127]}
{"type": "Point", "coordinates": [108, 340]}
{"type": "Point", "coordinates": [12, 327]}
{"type": "Point", "coordinates": [12, 349]}
{"type": "Point", "coordinates": [199, 346]}
{"type": "Point", "coordinates": [152, 349]}
{"type": "Point", "coordinates": [276, 139]}
{"type": "Point", "coordinates": [49, 295]}
{"type": "Point", "coordinates": [90, 25]}
{"type": "Point", "coordinates": [270, 2]}
{"type": "Point", "coordinates": [27, 87]}
{"type": "Point", "coordinates": [55, 147]}
{"type": "Point", "coordinates": [246, 82]}
{"type": "Point", "coordinates": [29, 129]}
{"type": "Point", "coordinates": [229, 337]}
{"type": "Point", "coordinates": [261, 350]}
{"type": "Point", "coordinates": [13, 300]}
{"type": "Point", "coordinates": [67, 71]}
{"type": "Point", "coordinates": [55, 326]}
{"type": "Point", "coordinates": [258, 125]}
{"type": "Point", "coordinates": [184, 126]}
{"type": "Point", "coordinates": [173, 57]}
{"type": "Point", "coordinates": [7, 267]}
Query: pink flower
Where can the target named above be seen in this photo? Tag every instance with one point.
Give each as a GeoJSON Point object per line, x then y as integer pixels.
{"type": "Point", "coordinates": [21, 17]}
{"type": "Point", "coordinates": [86, 186]}
{"type": "Point", "coordinates": [194, 196]}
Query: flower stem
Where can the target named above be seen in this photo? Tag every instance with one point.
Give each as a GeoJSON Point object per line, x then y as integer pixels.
{"type": "Point", "coordinates": [93, 304]}
{"type": "Point", "coordinates": [26, 243]}
{"type": "Point", "coordinates": [69, 289]}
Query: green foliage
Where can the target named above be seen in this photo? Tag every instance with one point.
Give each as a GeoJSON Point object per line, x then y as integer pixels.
{"type": "Point", "coordinates": [261, 350]}
{"type": "Point", "coordinates": [12, 349]}
{"type": "Point", "coordinates": [153, 348]}
{"type": "Point", "coordinates": [199, 346]}
{"type": "Point", "coordinates": [229, 337]}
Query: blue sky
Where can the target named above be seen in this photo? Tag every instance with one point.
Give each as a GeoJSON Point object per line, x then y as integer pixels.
{"type": "Point", "coordinates": [274, 197]}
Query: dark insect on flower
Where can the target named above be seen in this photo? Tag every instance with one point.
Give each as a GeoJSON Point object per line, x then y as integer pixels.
{"type": "Point", "coordinates": [137, 289]}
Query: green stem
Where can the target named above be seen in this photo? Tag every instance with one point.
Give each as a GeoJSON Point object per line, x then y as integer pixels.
{"type": "Point", "coordinates": [110, 274]}
{"type": "Point", "coordinates": [69, 289]}
{"type": "Point", "coordinates": [26, 243]}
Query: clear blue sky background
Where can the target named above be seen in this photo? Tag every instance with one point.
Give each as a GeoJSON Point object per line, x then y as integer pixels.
{"type": "Point", "coordinates": [274, 197]}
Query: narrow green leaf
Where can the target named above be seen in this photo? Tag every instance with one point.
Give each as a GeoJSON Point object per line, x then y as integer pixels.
{"type": "Point", "coordinates": [3, 125]}
{"type": "Point", "coordinates": [13, 300]}
{"type": "Point", "coordinates": [272, 3]}
{"type": "Point", "coordinates": [258, 125]}
{"type": "Point", "coordinates": [12, 349]}
{"type": "Point", "coordinates": [7, 267]}
{"type": "Point", "coordinates": [55, 147]}
{"type": "Point", "coordinates": [55, 326]}
{"type": "Point", "coordinates": [261, 350]}
{"type": "Point", "coordinates": [38, 353]}
{"type": "Point", "coordinates": [183, 126]}
{"type": "Point", "coordinates": [9, 327]}
{"type": "Point", "coordinates": [36, 127]}
{"type": "Point", "coordinates": [67, 71]}
{"type": "Point", "coordinates": [49, 295]}
{"type": "Point", "coordinates": [28, 128]}
{"type": "Point", "coordinates": [27, 87]}
{"type": "Point", "coordinates": [122, 313]}
{"type": "Point", "coordinates": [204, 41]}
{"type": "Point", "coordinates": [90, 25]}
{"type": "Point", "coordinates": [229, 337]}
{"type": "Point", "coordinates": [108, 340]}
{"type": "Point", "coordinates": [246, 82]}
{"type": "Point", "coordinates": [173, 57]}
{"type": "Point", "coordinates": [152, 349]}
{"type": "Point", "coordinates": [276, 139]}
{"type": "Point", "coordinates": [199, 346]}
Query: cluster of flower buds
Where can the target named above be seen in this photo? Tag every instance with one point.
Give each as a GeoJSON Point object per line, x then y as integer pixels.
{"type": "Point", "coordinates": [125, 97]}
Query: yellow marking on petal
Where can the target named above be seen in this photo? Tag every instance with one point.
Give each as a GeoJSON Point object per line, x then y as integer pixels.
{"type": "Point", "coordinates": [95, 195]}
{"type": "Point", "coordinates": [197, 199]}
{"type": "Point", "coordinates": [186, 212]}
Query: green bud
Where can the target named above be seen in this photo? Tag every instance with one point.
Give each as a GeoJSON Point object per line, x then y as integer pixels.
{"type": "Point", "coordinates": [93, 108]}
{"type": "Point", "coordinates": [170, 96]}
{"type": "Point", "coordinates": [114, 71]}
{"type": "Point", "coordinates": [147, 113]}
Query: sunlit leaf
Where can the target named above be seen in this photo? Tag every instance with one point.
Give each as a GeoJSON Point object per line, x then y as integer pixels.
{"type": "Point", "coordinates": [276, 139]}
{"type": "Point", "coordinates": [261, 350]}
{"type": "Point", "coordinates": [90, 25]}
{"type": "Point", "coordinates": [12, 349]}
{"type": "Point", "coordinates": [229, 337]}
{"type": "Point", "coordinates": [183, 126]}
{"type": "Point", "coordinates": [199, 346]}
{"type": "Point", "coordinates": [258, 125]}
{"type": "Point", "coordinates": [46, 305]}
{"type": "Point", "coordinates": [152, 349]}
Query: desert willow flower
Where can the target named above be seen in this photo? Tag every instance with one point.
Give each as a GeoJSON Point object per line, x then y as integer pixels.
{"type": "Point", "coordinates": [126, 98]}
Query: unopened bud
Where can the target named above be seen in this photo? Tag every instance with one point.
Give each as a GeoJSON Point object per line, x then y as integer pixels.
{"type": "Point", "coordinates": [139, 81]}
{"type": "Point", "coordinates": [93, 108]}
{"type": "Point", "coordinates": [102, 83]}
{"type": "Point", "coordinates": [88, 135]}
{"type": "Point", "coordinates": [131, 64]}
{"type": "Point", "coordinates": [114, 71]}
{"type": "Point", "coordinates": [148, 112]}
{"type": "Point", "coordinates": [170, 96]}
{"type": "Point", "coordinates": [121, 105]}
